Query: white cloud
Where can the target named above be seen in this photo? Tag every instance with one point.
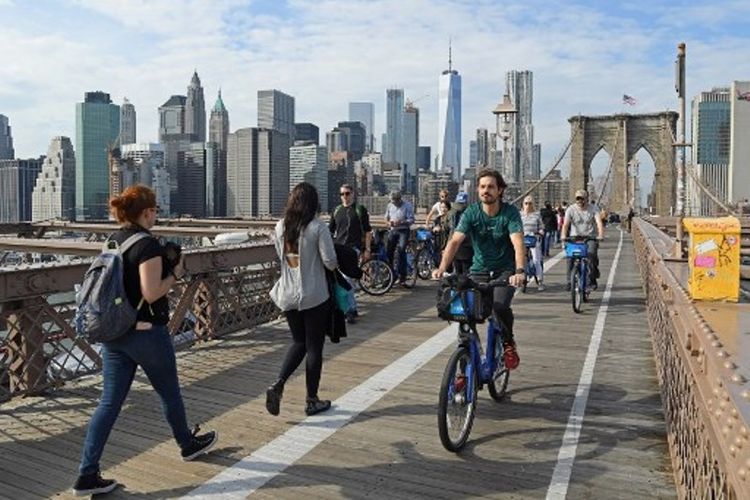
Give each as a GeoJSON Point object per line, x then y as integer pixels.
{"type": "Point", "coordinates": [330, 52]}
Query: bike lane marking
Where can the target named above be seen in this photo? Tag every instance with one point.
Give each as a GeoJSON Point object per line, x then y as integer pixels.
{"type": "Point", "coordinates": [558, 488]}
{"type": "Point", "coordinates": [267, 462]}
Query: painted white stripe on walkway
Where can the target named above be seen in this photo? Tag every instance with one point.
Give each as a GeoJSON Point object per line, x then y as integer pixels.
{"type": "Point", "coordinates": [558, 487]}
{"type": "Point", "coordinates": [253, 471]}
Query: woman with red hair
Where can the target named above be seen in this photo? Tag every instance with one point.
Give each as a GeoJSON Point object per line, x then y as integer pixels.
{"type": "Point", "coordinates": [148, 277]}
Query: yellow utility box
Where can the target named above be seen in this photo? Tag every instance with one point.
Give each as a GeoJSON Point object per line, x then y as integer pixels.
{"type": "Point", "coordinates": [714, 258]}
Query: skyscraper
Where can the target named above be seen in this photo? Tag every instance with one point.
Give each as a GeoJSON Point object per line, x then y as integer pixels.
{"type": "Point", "coordinates": [191, 181]}
{"type": "Point", "coordinates": [739, 158]}
{"type": "Point", "coordinates": [536, 161]}
{"type": "Point", "coordinates": [483, 148]}
{"type": "Point", "coordinates": [711, 131]}
{"type": "Point", "coordinates": [519, 85]}
{"type": "Point", "coordinates": [218, 134]}
{"type": "Point", "coordinates": [424, 158]}
{"type": "Point", "coordinates": [276, 111]}
{"type": "Point", "coordinates": [409, 147]}
{"type": "Point", "coordinates": [149, 159]}
{"type": "Point", "coordinates": [449, 121]}
{"type": "Point", "coordinates": [17, 179]}
{"type": "Point", "coordinates": [195, 110]}
{"type": "Point", "coordinates": [127, 122]}
{"type": "Point", "coordinates": [54, 195]}
{"type": "Point", "coordinates": [364, 112]}
{"type": "Point", "coordinates": [473, 153]}
{"type": "Point", "coordinates": [97, 130]}
{"type": "Point", "coordinates": [309, 163]}
{"type": "Point", "coordinates": [356, 138]}
{"type": "Point", "coordinates": [257, 172]}
{"type": "Point", "coordinates": [306, 132]}
{"type": "Point", "coordinates": [392, 148]}
{"type": "Point", "coordinates": [172, 117]}
{"type": "Point", "coordinates": [6, 139]}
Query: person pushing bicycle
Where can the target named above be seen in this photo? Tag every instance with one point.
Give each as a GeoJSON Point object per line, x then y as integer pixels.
{"type": "Point", "coordinates": [582, 221]}
{"type": "Point", "coordinates": [496, 233]}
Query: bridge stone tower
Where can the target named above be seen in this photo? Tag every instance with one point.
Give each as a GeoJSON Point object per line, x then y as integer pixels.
{"type": "Point", "coordinates": [622, 136]}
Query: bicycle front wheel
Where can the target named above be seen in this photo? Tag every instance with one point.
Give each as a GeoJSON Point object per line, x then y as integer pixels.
{"type": "Point", "coordinates": [424, 264]}
{"type": "Point", "coordinates": [411, 268]}
{"type": "Point", "coordinates": [377, 277]}
{"type": "Point", "coordinates": [457, 400]}
{"type": "Point", "coordinates": [576, 292]}
{"type": "Point", "coordinates": [499, 383]}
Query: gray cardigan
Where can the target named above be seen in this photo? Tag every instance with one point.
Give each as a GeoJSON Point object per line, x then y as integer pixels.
{"type": "Point", "coordinates": [304, 287]}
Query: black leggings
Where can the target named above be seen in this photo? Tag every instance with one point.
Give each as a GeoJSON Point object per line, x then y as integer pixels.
{"type": "Point", "coordinates": [308, 334]}
{"type": "Point", "coordinates": [502, 296]}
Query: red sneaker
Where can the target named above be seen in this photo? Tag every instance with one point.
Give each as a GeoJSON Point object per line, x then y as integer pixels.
{"type": "Point", "coordinates": [459, 383]}
{"type": "Point", "coordinates": [510, 355]}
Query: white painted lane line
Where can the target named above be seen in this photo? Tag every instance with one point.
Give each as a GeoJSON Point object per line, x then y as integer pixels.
{"type": "Point", "coordinates": [255, 470]}
{"type": "Point", "coordinates": [558, 487]}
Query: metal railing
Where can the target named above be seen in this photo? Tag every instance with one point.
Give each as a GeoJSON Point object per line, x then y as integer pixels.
{"type": "Point", "coordinates": [227, 290]}
{"type": "Point", "coordinates": [705, 397]}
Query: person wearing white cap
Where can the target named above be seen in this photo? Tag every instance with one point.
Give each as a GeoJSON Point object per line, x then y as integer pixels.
{"type": "Point", "coordinates": [533, 226]}
{"type": "Point", "coordinates": [582, 221]}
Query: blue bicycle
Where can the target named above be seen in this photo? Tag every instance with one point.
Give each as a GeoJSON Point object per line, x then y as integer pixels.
{"type": "Point", "coordinates": [530, 241]}
{"type": "Point", "coordinates": [379, 275]}
{"type": "Point", "coordinates": [428, 257]}
{"type": "Point", "coordinates": [577, 250]}
{"type": "Point", "coordinates": [469, 369]}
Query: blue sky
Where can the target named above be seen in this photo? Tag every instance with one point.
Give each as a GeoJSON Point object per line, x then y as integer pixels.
{"type": "Point", "coordinates": [584, 55]}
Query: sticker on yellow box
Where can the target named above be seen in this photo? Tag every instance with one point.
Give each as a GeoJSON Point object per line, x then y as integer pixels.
{"type": "Point", "coordinates": [706, 246]}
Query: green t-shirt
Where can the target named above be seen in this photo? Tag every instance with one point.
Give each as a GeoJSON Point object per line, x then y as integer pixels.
{"type": "Point", "coordinates": [490, 237]}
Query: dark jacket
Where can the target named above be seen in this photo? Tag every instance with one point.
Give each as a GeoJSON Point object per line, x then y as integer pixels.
{"type": "Point", "coordinates": [348, 261]}
{"type": "Point", "coordinates": [549, 219]}
{"type": "Point", "coordinates": [336, 328]}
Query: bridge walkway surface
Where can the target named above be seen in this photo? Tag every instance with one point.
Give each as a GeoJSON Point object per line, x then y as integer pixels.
{"type": "Point", "coordinates": [582, 419]}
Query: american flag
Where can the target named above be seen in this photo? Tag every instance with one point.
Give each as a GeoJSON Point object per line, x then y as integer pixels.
{"type": "Point", "coordinates": [629, 100]}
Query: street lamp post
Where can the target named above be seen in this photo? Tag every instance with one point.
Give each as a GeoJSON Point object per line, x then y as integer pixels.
{"type": "Point", "coordinates": [507, 111]}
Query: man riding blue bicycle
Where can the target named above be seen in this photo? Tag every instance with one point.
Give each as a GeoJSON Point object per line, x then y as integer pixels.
{"type": "Point", "coordinates": [496, 233]}
{"type": "Point", "coordinates": [582, 222]}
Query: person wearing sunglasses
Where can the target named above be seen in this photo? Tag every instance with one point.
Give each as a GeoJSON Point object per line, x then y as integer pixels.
{"type": "Point", "coordinates": [582, 221]}
{"type": "Point", "coordinates": [350, 226]}
{"type": "Point", "coordinates": [496, 233]}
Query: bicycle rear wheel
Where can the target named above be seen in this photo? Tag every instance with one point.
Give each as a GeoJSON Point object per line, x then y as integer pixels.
{"type": "Point", "coordinates": [424, 264]}
{"type": "Point", "coordinates": [576, 295]}
{"type": "Point", "coordinates": [499, 383]}
{"type": "Point", "coordinates": [377, 277]}
{"type": "Point", "coordinates": [457, 400]}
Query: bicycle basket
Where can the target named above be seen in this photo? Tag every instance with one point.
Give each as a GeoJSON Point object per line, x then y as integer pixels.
{"type": "Point", "coordinates": [529, 240]}
{"type": "Point", "coordinates": [423, 234]}
{"type": "Point", "coordinates": [462, 305]}
{"type": "Point", "coordinates": [576, 250]}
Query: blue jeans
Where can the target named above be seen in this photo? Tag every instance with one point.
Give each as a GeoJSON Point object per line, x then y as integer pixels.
{"type": "Point", "coordinates": [397, 238]}
{"type": "Point", "coordinates": [153, 351]}
{"type": "Point", "coordinates": [547, 241]}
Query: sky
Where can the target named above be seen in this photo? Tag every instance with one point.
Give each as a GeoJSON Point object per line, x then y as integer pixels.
{"type": "Point", "coordinates": [584, 55]}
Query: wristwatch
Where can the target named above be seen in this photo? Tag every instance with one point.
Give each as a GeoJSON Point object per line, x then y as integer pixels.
{"type": "Point", "coordinates": [520, 271]}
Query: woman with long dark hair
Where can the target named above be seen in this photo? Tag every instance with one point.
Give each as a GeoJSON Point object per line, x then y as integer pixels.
{"type": "Point", "coordinates": [147, 277]}
{"type": "Point", "coordinates": [305, 248]}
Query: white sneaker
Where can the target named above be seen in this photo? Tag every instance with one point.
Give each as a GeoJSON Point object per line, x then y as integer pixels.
{"type": "Point", "coordinates": [541, 287]}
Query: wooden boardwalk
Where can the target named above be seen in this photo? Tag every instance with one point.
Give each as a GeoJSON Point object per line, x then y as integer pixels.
{"type": "Point", "coordinates": [390, 449]}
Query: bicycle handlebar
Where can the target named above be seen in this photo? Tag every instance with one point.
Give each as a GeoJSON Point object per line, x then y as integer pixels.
{"type": "Point", "coordinates": [463, 282]}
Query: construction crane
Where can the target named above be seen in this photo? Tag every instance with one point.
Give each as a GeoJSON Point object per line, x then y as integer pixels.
{"type": "Point", "coordinates": [410, 103]}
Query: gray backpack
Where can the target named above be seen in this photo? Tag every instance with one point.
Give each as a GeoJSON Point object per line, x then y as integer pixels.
{"type": "Point", "coordinates": [104, 311]}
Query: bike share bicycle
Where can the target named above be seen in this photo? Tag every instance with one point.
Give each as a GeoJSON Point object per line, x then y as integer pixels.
{"type": "Point", "coordinates": [378, 275]}
{"type": "Point", "coordinates": [469, 368]}
{"type": "Point", "coordinates": [428, 257]}
{"type": "Point", "coordinates": [530, 241]}
{"type": "Point", "coordinates": [577, 250]}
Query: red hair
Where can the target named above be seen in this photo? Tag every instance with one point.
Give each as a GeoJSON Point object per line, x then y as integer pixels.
{"type": "Point", "coordinates": [129, 206]}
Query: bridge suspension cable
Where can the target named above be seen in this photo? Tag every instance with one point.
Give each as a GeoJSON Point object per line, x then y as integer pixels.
{"type": "Point", "coordinates": [549, 172]}
{"type": "Point", "coordinates": [690, 169]}
{"type": "Point", "coordinates": [603, 190]}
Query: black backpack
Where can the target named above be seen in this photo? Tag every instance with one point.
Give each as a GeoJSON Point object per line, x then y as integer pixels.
{"type": "Point", "coordinates": [104, 311]}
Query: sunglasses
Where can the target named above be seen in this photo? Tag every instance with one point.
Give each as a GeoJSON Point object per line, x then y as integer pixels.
{"type": "Point", "coordinates": [527, 203]}
{"type": "Point", "coordinates": [345, 193]}
{"type": "Point", "coordinates": [579, 198]}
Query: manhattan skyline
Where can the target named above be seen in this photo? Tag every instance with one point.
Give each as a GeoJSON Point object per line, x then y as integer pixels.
{"type": "Point", "coordinates": [244, 47]}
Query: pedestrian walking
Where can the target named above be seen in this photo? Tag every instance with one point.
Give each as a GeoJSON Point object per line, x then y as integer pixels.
{"type": "Point", "coordinates": [305, 248]}
{"type": "Point", "coordinates": [148, 276]}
